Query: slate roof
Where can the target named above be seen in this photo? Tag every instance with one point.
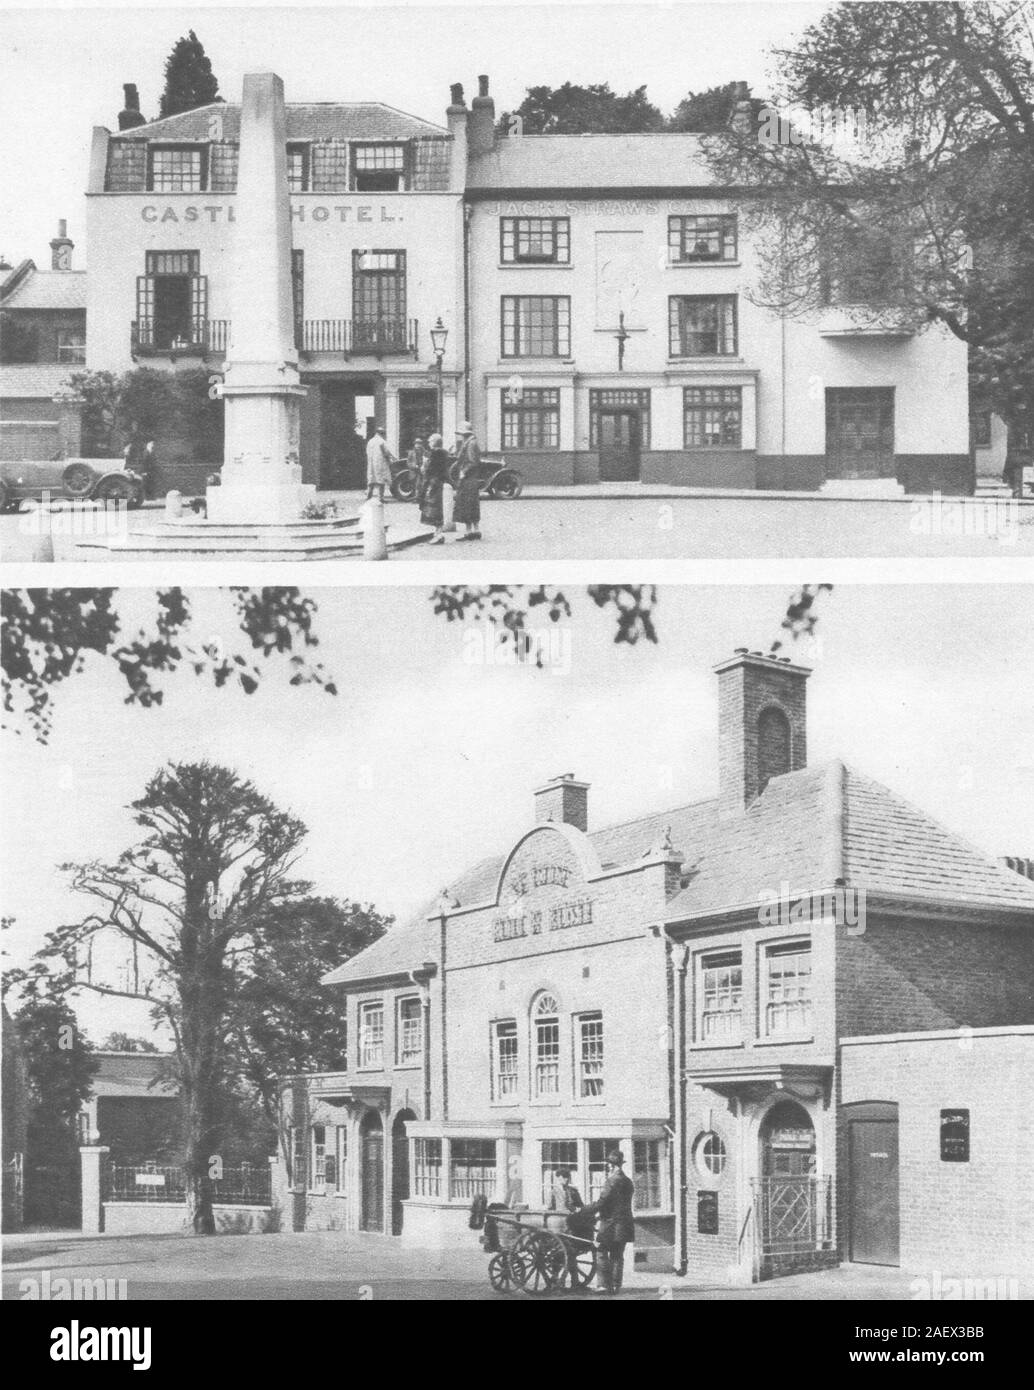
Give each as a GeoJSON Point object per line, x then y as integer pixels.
{"type": "Point", "coordinates": [49, 289]}
{"type": "Point", "coordinates": [592, 161]}
{"type": "Point", "coordinates": [133, 1074]}
{"type": "Point", "coordinates": [317, 120]}
{"type": "Point", "coordinates": [35, 379]}
{"type": "Point", "coordinates": [808, 829]}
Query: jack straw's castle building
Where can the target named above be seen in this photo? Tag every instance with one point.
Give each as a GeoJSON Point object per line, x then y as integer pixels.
{"type": "Point", "coordinates": [596, 290]}
{"type": "Point", "coordinates": [803, 1009]}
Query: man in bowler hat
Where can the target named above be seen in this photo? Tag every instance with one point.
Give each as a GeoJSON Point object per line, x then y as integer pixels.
{"type": "Point", "coordinates": [616, 1228]}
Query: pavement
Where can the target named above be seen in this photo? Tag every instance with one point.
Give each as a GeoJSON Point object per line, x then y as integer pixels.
{"type": "Point", "coordinates": [640, 521]}
{"type": "Point", "coordinates": [317, 1265]}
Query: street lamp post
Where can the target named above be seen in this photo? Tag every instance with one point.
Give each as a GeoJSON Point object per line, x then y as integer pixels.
{"type": "Point", "coordinates": [439, 335]}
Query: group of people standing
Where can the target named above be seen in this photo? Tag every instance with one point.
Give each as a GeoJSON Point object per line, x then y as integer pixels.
{"type": "Point", "coordinates": [612, 1209]}
{"type": "Point", "coordinates": [435, 469]}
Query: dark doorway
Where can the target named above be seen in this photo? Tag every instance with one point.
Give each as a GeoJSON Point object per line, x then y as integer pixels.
{"type": "Point", "coordinates": [874, 1203]}
{"type": "Point", "coordinates": [399, 1169]}
{"type": "Point", "coordinates": [342, 450]}
{"type": "Point", "coordinates": [860, 432]}
{"type": "Point", "coordinates": [619, 445]}
{"type": "Point", "coordinates": [418, 418]}
{"type": "Point", "coordinates": [371, 1139]}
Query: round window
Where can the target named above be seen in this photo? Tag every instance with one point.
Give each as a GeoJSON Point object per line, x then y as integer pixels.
{"type": "Point", "coordinates": [709, 1154]}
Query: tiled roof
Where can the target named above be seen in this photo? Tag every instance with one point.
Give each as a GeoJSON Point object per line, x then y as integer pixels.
{"type": "Point", "coordinates": [808, 829]}
{"type": "Point", "coordinates": [320, 120]}
{"type": "Point", "coordinates": [49, 289]}
{"type": "Point", "coordinates": [134, 1074]}
{"type": "Point", "coordinates": [34, 379]}
{"type": "Point", "coordinates": [592, 161]}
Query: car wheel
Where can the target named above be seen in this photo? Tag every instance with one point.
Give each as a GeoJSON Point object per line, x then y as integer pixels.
{"type": "Point", "coordinates": [118, 490]}
{"type": "Point", "coordinates": [403, 485]}
{"type": "Point", "coordinates": [507, 485]}
{"type": "Point", "coordinates": [78, 479]}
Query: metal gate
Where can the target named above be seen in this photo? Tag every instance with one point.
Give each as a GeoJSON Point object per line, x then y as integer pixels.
{"type": "Point", "coordinates": [793, 1215]}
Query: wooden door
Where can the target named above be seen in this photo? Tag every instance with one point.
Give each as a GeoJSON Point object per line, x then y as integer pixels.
{"type": "Point", "coordinates": [372, 1218]}
{"type": "Point", "coordinates": [874, 1197]}
{"type": "Point", "coordinates": [860, 432]}
{"type": "Point", "coordinates": [619, 445]}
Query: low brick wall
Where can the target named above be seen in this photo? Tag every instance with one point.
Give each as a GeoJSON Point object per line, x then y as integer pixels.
{"type": "Point", "coordinates": [169, 1218]}
{"type": "Point", "coordinates": [29, 439]}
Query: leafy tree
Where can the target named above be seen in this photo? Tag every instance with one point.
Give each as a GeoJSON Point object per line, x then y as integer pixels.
{"type": "Point", "coordinates": [189, 80]}
{"type": "Point", "coordinates": [100, 395]}
{"type": "Point", "coordinates": [190, 899]}
{"type": "Point", "coordinates": [122, 1042]}
{"type": "Point", "coordinates": [283, 1022]}
{"type": "Point", "coordinates": [60, 1067]}
{"type": "Point", "coordinates": [926, 214]}
{"type": "Point", "coordinates": [710, 110]}
{"type": "Point", "coordinates": [576, 110]}
{"type": "Point", "coordinates": [48, 634]}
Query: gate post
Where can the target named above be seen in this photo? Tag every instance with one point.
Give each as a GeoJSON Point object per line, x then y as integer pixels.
{"type": "Point", "coordinates": [93, 1157]}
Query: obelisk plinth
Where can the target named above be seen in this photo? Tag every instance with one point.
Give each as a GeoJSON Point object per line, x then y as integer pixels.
{"type": "Point", "coordinates": [261, 479]}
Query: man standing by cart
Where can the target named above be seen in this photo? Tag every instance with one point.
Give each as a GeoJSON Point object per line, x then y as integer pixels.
{"type": "Point", "coordinates": [617, 1227]}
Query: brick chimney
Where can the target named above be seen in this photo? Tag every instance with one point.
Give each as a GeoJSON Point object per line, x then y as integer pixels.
{"type": "Point", "coordinates": [741, 118]}
{"type": "Point", "coordinates": [456, 119]}
{"type": "Point", "coordinates": [563, 799]}
{"type": "Point", "coordinates": [130, 115]}
{"type": "Point", "coordinates": [762, 725]}
{"type": "Point", "coordinates": [61, 248]}
{"type": "Point", "coordinates": [482, 120]}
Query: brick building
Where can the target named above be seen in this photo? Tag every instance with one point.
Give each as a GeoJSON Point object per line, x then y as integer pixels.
{"type": "Point", "coordinates": [43, 340]}
{"type": "Point", "coordinates": [707, 988]}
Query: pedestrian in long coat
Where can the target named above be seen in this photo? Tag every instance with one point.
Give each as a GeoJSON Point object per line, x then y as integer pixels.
{"type": "Point", "coordinates": [468, 484]}
{"type": "Point", "coordinates": [616, 1223]}
{"type": "Point", "coordinates": [379, 459]}
{"type": "Point", "coordinates": [435, 474]}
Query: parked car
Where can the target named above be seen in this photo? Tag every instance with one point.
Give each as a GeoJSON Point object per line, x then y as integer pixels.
{"type": "Point", "coordinates": [98, 480]}
{"type": "Point", "coordinates": [495, 477]}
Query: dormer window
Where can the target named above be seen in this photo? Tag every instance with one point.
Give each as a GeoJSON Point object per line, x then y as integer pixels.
{"type": "Point", "coordinates": [177, 169]}
{"type": "Point", "coordinates": [378, 168]}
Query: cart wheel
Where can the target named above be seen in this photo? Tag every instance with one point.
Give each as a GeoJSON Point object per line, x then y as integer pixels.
{"type": "Point", "coordinates": [503, 1272]}
{"type": "Point", "coordinates": [543, 1262]}
{"type": "Point", "coordinates": [581, 1266]}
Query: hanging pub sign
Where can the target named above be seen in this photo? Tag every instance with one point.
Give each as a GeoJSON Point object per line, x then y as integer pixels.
{"type": "Point", "coordinates": [954, 1136]}
{"type": "Point", "coordinates": [707, 1213]}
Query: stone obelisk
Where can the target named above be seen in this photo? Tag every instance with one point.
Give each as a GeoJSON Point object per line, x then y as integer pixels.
{"type": "Point", "coordinates": [261, 480]}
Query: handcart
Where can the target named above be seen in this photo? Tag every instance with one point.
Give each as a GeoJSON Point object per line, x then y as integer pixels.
{"type": "Point", "coordinates": [535, 1252]}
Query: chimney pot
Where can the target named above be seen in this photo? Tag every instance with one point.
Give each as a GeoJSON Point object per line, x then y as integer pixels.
{"type": "Point", "coordinates": [482, 120]}
{"type": "Point", "coordinates": [130, 114]}
{"type": "Point", "coordinates": [483, 86]}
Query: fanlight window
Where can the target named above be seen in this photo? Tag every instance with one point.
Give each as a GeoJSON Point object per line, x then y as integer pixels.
{"type": "Point", "coordinates": [547, 1046]}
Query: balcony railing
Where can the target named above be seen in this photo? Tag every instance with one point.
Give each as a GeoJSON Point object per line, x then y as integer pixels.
{"type": "Point", "coordinates": [376, 337]}
{"type": "Point", "coordinates": [383, 337]}
{"type": "Point", "coordinates": [197, 338]}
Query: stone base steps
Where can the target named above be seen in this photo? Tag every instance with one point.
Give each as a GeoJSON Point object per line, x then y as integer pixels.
{"type": "Point", "coordinates": [318, 540]}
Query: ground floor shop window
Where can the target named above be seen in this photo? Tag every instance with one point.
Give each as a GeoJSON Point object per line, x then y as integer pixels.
{"type": "Point", "coordinates": [646, 1174]}
{"type": "Point", "coordinates": [598, 1149]}
{"type": "Point", "coordinates": [557, 1153]}
{"type": "Point", "coordinates": [531, 418]}
{"type": "Point", "coordinates": [427, 1168]}
{"type": "Point", "coordinates": [472, 1171]}
{"type": "Point", "coordinates": [712, 417]}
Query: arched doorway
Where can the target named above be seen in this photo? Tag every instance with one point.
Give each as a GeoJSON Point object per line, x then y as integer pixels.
{"type": "Point", "coordinates": [371, 1147]}
{"type": "Point", "coordinates": [399, 1168]}
{"type": "Point", "coordinates": [793, 1210]}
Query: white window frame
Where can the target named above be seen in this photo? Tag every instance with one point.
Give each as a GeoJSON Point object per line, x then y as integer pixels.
{"type": "Point", "coordinates": [505, 1085]}
{"type": "Point", "coordinates": [317, 1159]}
{"type": "Point", "coordinates": [589, 1069]}
{"type": "Point", "coordinates": [415, 1058]}
{"type": "Point", "coordinates": [340, 1160]}
{"type": "Point", "coordinates": [366, 1009]}
{"type": "Point", "coordinates": [542, 1018]}
{"type": "Point", "coordinates": [778, 950]}
{"type": "Point", "coordinates": [428, 1175]}
{"type": "Point", "coordinates": [710, 960]}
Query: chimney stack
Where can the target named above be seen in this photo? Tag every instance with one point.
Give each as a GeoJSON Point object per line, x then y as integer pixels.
{"type": "Point", "coordinates": [762, 725]}
{"type": "Point", "coordinates": [1019, 865]}
{"type": "Point", "coordinates": [482, 120]}
{"type": "Point", "coordinates": [61, 248]}
{"type": "Point", "coordinates": [563, 799]}
{"type": "Point", "coordinates": [130, 115]}
{"type": "Point", "coordinates": [741, 119]}
{"type": "Point", "coordinates": [456, 120]}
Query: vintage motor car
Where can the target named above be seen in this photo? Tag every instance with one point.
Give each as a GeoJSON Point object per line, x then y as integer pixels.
{"type": "Point", "coordinates": [97, 480]}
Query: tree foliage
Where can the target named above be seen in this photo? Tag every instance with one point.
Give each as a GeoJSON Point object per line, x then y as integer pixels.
{"type": "Point", "coordinates": [922, 211]}
{"type": "Point", "coordinates": [48, 635]}
{"type": "Point", "coordinates": [576, 110]}
{"type": "Point", "coordinates": [189, 80]}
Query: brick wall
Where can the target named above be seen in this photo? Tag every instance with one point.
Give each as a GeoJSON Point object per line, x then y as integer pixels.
{"type": "Point", "coordinates": [972, 1218]}
{"type": "Point", "coordinates": [745, 688]}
